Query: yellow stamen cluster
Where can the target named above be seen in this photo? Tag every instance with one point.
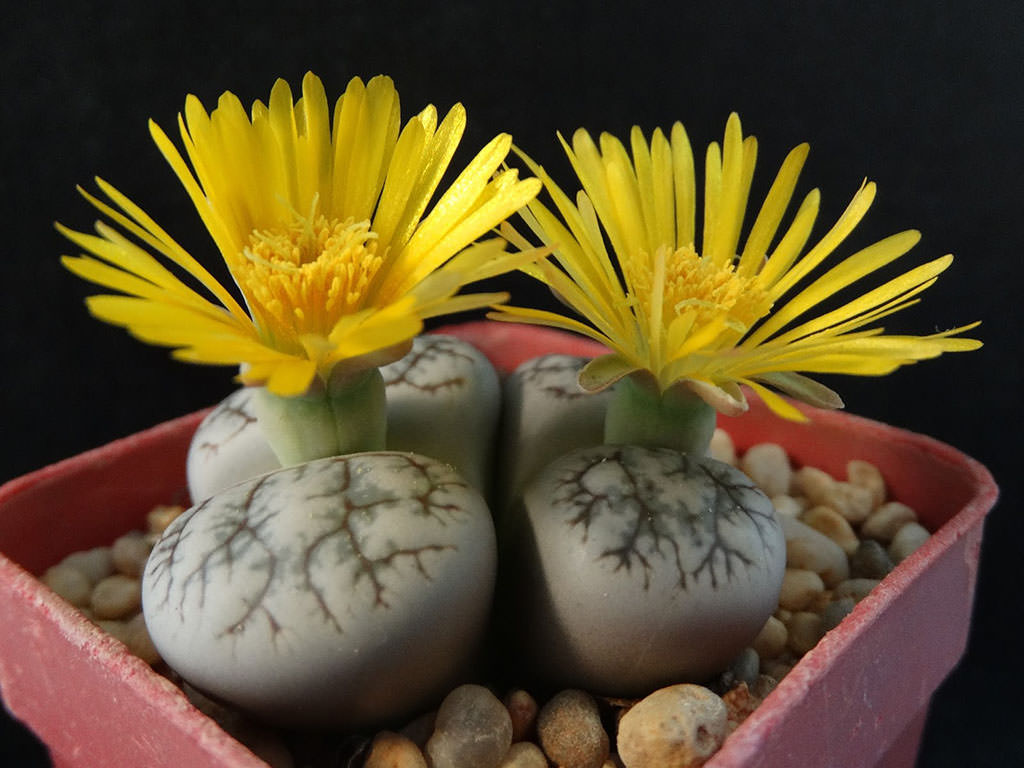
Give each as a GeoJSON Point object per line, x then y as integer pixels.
{"type": "Point", "coordinates": [303, 280]}
{"type": "Point", "coordinates": [682, 283]}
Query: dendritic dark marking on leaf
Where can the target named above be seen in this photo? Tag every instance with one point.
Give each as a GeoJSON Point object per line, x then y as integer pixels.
{"type": "Point", "coordinates": [555, 375]}
{"type": "Point", "coordinates": [232, 409]}
{"type": "Point", "coordinates": [241, 539]}
{"type": "Point", "coordinates": [412, 369]}
{"type": "Point", "coordinates": [648, 533]}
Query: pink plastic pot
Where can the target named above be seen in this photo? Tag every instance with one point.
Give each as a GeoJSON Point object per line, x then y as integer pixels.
{"type": "Point", "coordinates": [858, 699]}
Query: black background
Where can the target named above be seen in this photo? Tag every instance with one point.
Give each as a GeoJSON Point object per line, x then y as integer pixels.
{"type": "Point", "coordinates": [924, 98]}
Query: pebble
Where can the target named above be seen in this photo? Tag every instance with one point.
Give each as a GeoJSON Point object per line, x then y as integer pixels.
{"type": "Point", "coordinates": [777, 668]}
{"type": "Point", "coordinates": [870, 561]}
{"type": "Point", "coordinates": [813, 551]}
{"type": "Point", "coordinates": [829, 522]}
{"type": "Point", "coordinates": [522, 708]}
{"type": "Point", "coordinates": [771, 640]}
{"type": "Point", "coordinates": [858, 589]}
{"type": "Point", "coordinates": [853, 502]}
{"type": "Point", "coordinates": [788, 505]}
{"type": "Point", "coordinates": [679, 726]}
{"type": "Point", "coordinates": [524, 754]}
{"type": "Point", "coordinates": [161, 516]}
{"type": "Point", "coordinates": [418, 731]}
{"type": "Point", "coordinates": [70, 583]}
{"type": "Point", "coordinates": [799, 588]}
{"type": "Point", "coordinates": [392, 750]}
{"type": "Point", "coordinates": [129, 554]}
{"type": "Point", "coordinates": [907, 540]}
{"type": "Point", "coordinates": [570, 732]}
{"type": "Point", "coordinates": [116, 596]}
{"type": "Point", "coordinates": [814, 483]}
{"type": "Point", "coordinates": [722, 447]}
{"type": "Point", "coordinates": [767, 464]}
{"type": "Point", "coordinates": [745, 668]}
{"type": "Point", "coordinates": [867, 475]}
{"type": "Point", "coordinates": [96, 564]}
{"type": "Point", "coordinates": [835, 612]}
{"type": "Point", "coordinates": [740, 703]}
{"type": "Point", "coordinates": [884, 523]}
{"type": "Point", "coordinates": [473, 728]}
{"type": "Point", "coordinates": [805, 630]}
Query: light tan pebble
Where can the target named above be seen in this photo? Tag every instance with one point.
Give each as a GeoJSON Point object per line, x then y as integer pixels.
{"type": "Point", "coordinates": [813, 483]}
{"type": "Point", "coordinates": [805, 630]}
{"type": "Point", "coordinates": [767, 464]}
{"type": "Point", "coordinates": [522, 708]}
{"type": "Point", "coordinates": [782, 615]}
{"type": "Point", "coordinates": [70, 583]}
{"type": "Point", "coordinates": [776, 669]}
{"type": "Point", "coordinates": [472, 728]}
{"type": "Point", "coordinates": [129, 554]}
{"type": "Point", "coordinates": [680, 726]}
{"type": "Point", "coordinates": [814, 551]}
{"type": "Point", "coordinates": [162, 516]}
{"type": "Point", "coordinates": [740, 703]}
{"type": "Point", "coordinates": [799, 588]}
{"type": "Point", "coordinates": [569, 731]}
{"type": "Point", "coordinates": [771, 640]}
{"type": "Point", "coordinates": [722, 447]}
{"type": "Point", "coordinates": [787, 505]}
{"type": "Point", "coordinates": [392, 750]}
{"type": "Point", "coordinates": [882, 524]}
{"type": "Point", "coordinates": [96, 564]}
{"type": "Point", "coordinates": [858, 589]}
{"type": "Point", "coordinates": [418, 731]}
{"type": "Point", "coordinates": [138, 640]}
{"type": "Point", "coordinates": [821, 601]}
{"type": "Point", "coordinates": [829, 522]}
{"type": "Point", "coordinates": [867, 475]}
{"type": "Point", "coordinates": [851, 501]}
{"type": "Point", "coordinates": [764, 685]}
{"type": "Point", "coordinates": [836, 611]}
{"type": "Point", "coordinates": [907, 540]}
{"type": "Point", "coordinates": [116, 597]}
{"type": "Point", "coordinates": [524, 754]}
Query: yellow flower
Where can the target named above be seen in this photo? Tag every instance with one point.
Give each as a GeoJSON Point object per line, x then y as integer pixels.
{"type": "Point", "coordinates": [322, 225]}
{"type": "Point", "coordinates": [712, 318]}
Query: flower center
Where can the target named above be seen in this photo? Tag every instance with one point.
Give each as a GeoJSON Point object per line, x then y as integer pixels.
{"type": "Point", "coordinates": [677, 282]}
{"type": "Point", "coordinates": [301, 280]}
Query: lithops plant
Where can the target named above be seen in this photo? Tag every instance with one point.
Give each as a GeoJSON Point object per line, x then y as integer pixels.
{"type": "Point", "coordinates": [634, 567]}
{"type": "Point", "coordinates": [442, 400]}
{"type": "Point", "coordinates": [340, 592]}
{"type": "Point", "coordinates": [545, 414]}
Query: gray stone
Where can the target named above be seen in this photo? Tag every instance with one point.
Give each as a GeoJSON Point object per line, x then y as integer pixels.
{"type": "Point", "coordinates": [870, 561]}
{"type": "Point", "coordinates": [473, 728]}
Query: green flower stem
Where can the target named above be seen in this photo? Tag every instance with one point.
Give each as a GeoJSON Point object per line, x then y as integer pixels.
{"type": "Point", "coordinates": [638, 414]}
{"type": "Point", "coordinates": [347, 416]}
